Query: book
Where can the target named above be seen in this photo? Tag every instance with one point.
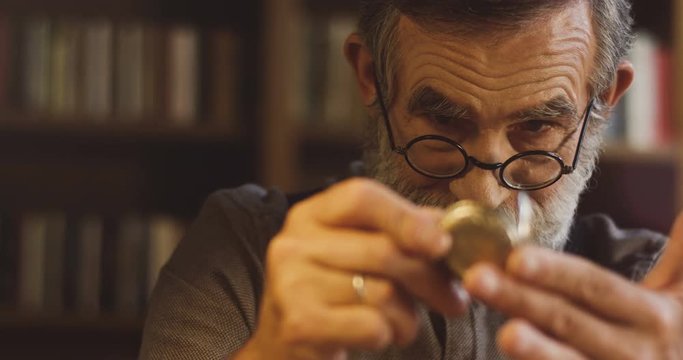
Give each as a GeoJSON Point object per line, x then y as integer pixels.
{"type": "Point", "coordinates": [36, 61]}
{"type": "Point", "coordinates": [666, 129]}
{"type": "Point", "coordinates": [108, 284]}
{"type": "Point", "coordinates": [130, 264]}
{"type": "Point", "coordinates": [65, 66]}
{"type": "Point", "coordinates": [5, 59]}
{"type": "Point", "coordinates": [98, 70]}
{"type": "Point", "coordinates": [165, 234]}
{"type": "Point", "coordinates": [71, 270]}
{"type": "Point", "coordinates": [183, 75]}
{"type": "Point", "coordinates": [89, 265]}
{"type": "Point", "coordinates": [14, 95]}
{"type": "Point", "coordinates": [222, 66]}
{"type": "Point", "coordinates": [616, 125]}
{"type": "Point", "coordinates": [641, 100]}
{"type": "Point", "coordinates": [333, 96]}
{"type": "Point", "coordinates": [343, 108]}
{"type": "Point", "coordinates": [129, 76]}
{"type": "Point", "coordinates": [9, 254]}
{"type": "Point", "coordinates": [54, 266]}
{"type": "Point", "coordinates": [155, 65]}
{"type": "Point", "coordinates": [315, 77]}
{"type": "Point", "coordinates": [32, 256]}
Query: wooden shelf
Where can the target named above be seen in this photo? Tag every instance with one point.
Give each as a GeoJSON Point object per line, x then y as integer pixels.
{"type": "Point", "coordinates": [333, 6]}
{"type": "Point", "coordinates": [104, 323]}
{"type": "Point", "coordinates": [326, 135]}
{"type": "Point", "coordinates": [140, 131]}
{"type": "Point", "coordinates": [59, 337]}
{"type": "Point", "coordinates": [243, 14]}
{"type": "Point", "coordinates": [113, 168]}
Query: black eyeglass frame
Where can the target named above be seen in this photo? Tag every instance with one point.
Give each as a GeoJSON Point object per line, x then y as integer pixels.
{"type": "Point", "coordinates": [470, 160]}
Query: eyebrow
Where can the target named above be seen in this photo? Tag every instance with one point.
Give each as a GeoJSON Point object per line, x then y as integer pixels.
{"type": "Point", "coordinates": [426, 100]}
{"type": "Point", "coordinates": [557, 108]}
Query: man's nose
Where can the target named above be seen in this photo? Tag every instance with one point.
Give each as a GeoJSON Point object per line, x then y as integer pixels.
{"type": "Point", "coordinates": [480, 185]}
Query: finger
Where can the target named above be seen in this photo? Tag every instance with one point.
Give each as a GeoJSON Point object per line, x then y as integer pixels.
{"type": "Point", "coordinates": [334, 289]}
{"type": "Point", "coordinates": [398, 309]}
{"type": "Point", "coordinates": [375, 254]}
{"type": "Point", "coordinates": [520, 340]}
{"type": "Point", "coordinates": [366, 204]}
{"type": "Point", "coordinates": [357, 327]}
{"type": "Point", "coordinates": [550, 313]}
{"type": "Point", "coordinates": [669, 268]}
{"type": "Point", "coordinates": [585, 283]}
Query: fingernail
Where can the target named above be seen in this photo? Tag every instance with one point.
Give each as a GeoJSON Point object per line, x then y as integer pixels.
{"type": "Point", "coordinates": [528, 265]}
{"type": "Point", "coordinates": [459, 293]}
{"type": "Point", "coordinates": [520, 345]}
{"type": "Point", "coordinates": [487, 281]}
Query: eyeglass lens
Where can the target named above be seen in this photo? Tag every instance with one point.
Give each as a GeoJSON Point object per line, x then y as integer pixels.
{"type": "Point", "coordinates": [442, 159]}
{"type": "Point", "coordinates": [532, 171]}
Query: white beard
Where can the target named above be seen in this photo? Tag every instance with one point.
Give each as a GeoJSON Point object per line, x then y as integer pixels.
{"type": "Point", "coordinates": [552, 219]}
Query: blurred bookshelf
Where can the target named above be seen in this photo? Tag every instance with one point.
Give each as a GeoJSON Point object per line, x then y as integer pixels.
{"type": "Point", "coordinates": [117, 120]}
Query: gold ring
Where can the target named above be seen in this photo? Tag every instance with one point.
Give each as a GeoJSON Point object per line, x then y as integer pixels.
{"type": "Point", "coordinates": [358, 283]}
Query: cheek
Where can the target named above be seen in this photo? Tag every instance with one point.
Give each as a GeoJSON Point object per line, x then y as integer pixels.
{"type": "Point", "coordinates": [420, 181]}
{"type": "Point", "coordinates": [542, 196]}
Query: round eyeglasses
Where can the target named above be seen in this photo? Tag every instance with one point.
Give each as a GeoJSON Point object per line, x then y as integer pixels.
{"type": "Point", "coordinates": [439, 157]}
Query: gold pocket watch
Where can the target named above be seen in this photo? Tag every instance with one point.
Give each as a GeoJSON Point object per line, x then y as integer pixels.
{"type": "Point", "coordinates": [482, 234]}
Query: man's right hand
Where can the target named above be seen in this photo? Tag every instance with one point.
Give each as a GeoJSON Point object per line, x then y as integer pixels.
{"type": "Point", "coordinates": [310, 310]}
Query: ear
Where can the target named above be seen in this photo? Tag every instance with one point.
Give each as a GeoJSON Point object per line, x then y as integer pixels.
{"type": "Point", "coordinates": [360, 58]}
{"type": "Point", "coordinates": [624, 79]}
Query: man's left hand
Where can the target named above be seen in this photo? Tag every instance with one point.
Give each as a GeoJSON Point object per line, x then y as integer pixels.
{"type": "Point", "coordinates": [565, 307]}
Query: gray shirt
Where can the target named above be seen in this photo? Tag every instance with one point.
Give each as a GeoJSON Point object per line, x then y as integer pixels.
{"type": "Point", "coordinates": [205, 305]}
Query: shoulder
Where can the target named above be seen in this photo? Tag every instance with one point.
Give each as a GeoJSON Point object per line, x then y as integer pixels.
{"type": "Point", "coordinates": [630, 252]}
{"type": "Point", "coordinates": [214, 279]}
{"type": "Point", "coordinates": [249, 199]}
{"type": "Point", "coordinates": [244, 208]}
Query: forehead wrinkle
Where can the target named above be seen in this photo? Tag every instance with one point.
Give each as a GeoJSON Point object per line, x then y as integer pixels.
{"type": "Point", "coordinates": [572, 74]}
{"type": "Point", "coordinates": [458, 52]}
{"type": "Point", "coordinates": [476, 62]}
{"type": "Point", "coordinates": [580, 34]}
{"type": "Point", "coordinates": [557, 58]}
{"type": "Point", "coordinates": [493, 88]}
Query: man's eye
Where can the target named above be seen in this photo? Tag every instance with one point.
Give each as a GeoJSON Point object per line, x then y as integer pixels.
{"type": "Point", "coordinates": [441, 119]}
{"type": "Point", "coordinates": [535, 126]}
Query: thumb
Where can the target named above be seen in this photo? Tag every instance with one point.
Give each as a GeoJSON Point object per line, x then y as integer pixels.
{"type": "Point", "coordinates": [669, 268]}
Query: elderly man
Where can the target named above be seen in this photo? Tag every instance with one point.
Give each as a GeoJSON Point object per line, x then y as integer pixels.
{"type": "Point", "coordinates": [470, 99]}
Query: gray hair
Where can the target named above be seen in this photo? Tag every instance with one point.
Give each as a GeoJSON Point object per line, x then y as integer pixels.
{"type": "Point", "coordinates": [379, 20]}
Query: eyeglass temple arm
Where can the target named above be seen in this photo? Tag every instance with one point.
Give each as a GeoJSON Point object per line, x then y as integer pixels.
{"type": "Point", "coordinates": [385, 113]}
{"type": "Point", "coordinates": [586, 117]}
